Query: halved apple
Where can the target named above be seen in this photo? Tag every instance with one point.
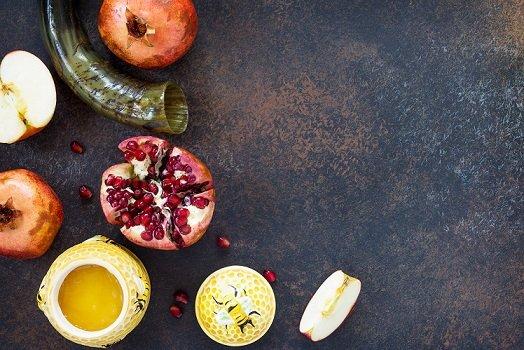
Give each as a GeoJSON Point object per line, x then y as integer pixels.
{"type": "Point", "coordinates": [329, 306]}
{"type": "Point", "coordinates": [27, 96]}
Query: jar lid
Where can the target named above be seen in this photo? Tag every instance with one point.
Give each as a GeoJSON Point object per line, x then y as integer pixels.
{"type": "Point", "coordinates": [235, 306]}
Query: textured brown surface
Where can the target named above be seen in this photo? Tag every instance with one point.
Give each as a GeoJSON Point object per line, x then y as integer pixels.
{"type": "Point", "coordinates": [384, 139]}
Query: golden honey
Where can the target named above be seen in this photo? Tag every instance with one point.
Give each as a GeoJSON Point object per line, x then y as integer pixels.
{"type": "Point", "coordinates": [90, 298]}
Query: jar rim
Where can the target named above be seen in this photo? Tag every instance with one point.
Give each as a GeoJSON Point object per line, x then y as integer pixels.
{"type": "Point", "coordinates": [60, 318]}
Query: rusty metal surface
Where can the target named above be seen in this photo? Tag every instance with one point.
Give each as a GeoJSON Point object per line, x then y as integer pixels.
{"type": "Point", "coordinates": [384, 139]}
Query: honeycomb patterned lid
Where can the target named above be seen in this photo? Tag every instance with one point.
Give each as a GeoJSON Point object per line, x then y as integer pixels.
{"type": "Point", "coordinates": [235, 306]}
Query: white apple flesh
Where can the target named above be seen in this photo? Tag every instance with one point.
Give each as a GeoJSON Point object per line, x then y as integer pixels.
{"type": "Point", "coordinates": [329, 306]}
{"type": "Point", "coordinates": [27, 96]}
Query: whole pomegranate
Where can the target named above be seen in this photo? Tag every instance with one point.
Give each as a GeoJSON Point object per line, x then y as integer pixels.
{"type": "Point", "coordinates": [148, 33]}
{"type": "Point", "coordinates": [163, 197]}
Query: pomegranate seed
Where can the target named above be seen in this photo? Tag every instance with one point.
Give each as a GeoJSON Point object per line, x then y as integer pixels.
{"type": "Point", "coordinates": [180, 221]}
{"type": "Point", "coordinates": [191, 178]}
{"type": "Point", "coordinates": [118, 182]}
{"type": "Point", "coordinates": [185, 229]}
{"type": "Point", "coordinates": [140, 204]}
{"type": "Point", "coordinates": [153, 188]}
{"type": "Point", "coordinates": [77, 147]}
{"type": "Point", "coordinates": [110, 180]}
{"type": "Point", "coordinates": [159, 233]}
{"type": "Point", "coordinates": [269, 275]}
{"type": "Point", "coordinates": [168, 182]}
{"type": "Point", "coordinates": [200, 202]}
{"type": "Point", "coordinates": [140, 156]}
{"type": "Point", "coordinates": [125, 217]}
{"type": "Point", "coordinates": [147, 147]}
{"type": "Point", "coordinates": [151, 170]}
{"type": "Point", "coordinates": [174, 200]}
{"type": "Point", "coordinates": [145, 219]}
{"type": "Point", "coordinates": [85, 192]}
{"type": "Point", "coordinates": [223, 242]}
{"type": "Point", "coordinates": [181, 297]}
{"type": "Point", "coordinates": [175, 311]}
{"type": "Point", "coordinates": [178, 239]}
{"type": "Point", "coordinates": [148, 198]}
{"type": "Point", "coordinates": [182, 212]}
{"type": "Point", "coordinates": [132, 145]}
{"type": "Point", "coordinates": [149, 210]}
{"type": "Point", "coordinates": [188, 169]}
{"type": "Point", "coordinates": [153, 152]}
{"type": "Point", "coordinates": [128, 156]}
{"type": "Point", "coordinates": [146, 236]}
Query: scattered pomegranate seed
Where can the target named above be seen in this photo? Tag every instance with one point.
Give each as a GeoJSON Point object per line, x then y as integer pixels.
{"type": "Point", "coordinates": [181, 297]}
{"type": "Point", "coordinates": [85, 192]}
{"type": "Point", "coordinates": [223, 242]}
{"type": "Point", "coordinates": [176, 311]}
{"type": "Point", "coordinates": [77, 147]}
{"type": "Point", "coordinates": [269, 275]}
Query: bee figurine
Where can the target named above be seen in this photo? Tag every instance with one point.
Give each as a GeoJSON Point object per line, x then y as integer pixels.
{"type": "Point", "coordinates": [237, 310]}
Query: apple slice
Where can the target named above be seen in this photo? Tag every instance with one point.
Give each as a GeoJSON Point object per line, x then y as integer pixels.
{"type": "Point", "coordinates": [329, 306]}
{"type": "Point", "coordinates": [27, 96]}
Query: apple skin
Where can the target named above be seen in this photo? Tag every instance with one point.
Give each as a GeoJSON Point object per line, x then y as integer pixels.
{"type": "Point", "coordinates": [31, 130]}
{"type": "Point", "coordinates": [41, 214]}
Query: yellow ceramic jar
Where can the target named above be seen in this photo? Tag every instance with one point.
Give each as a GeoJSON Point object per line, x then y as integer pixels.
{"type": "Point", "coordinates": [235, 306]}
{"type": "Point", "coordinates": [113, 264]}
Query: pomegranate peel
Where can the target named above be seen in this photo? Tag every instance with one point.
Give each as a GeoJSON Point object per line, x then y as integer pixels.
{"type": "Point", "coordinates": [146, 33]}
{"type": "Point", "coordinates": [163, 197]}
{"type": "Point", "coordinates": [30, 214]}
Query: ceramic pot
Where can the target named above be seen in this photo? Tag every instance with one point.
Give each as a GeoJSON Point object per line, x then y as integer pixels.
{"type": "Point", "coordinates": [127, 269]}
{"type": "Point", "coordinates": [235, 306]}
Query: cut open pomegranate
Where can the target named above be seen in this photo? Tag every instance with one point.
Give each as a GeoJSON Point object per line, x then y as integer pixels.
{"type": "Point", "coordinates": [163, 197]}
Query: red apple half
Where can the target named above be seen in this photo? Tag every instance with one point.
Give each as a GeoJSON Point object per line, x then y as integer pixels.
{"type": "Point", "coordinates": [27, 96]}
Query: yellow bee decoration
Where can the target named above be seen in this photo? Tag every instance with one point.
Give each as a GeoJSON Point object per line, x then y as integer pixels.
{"type": "Point", "coordinates": [235, 306]}
{"type": "Point", "coordinates": [237, 310]}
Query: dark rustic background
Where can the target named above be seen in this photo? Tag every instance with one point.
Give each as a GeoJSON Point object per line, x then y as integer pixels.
{"type": "Point", "coordinates": [384, 139]}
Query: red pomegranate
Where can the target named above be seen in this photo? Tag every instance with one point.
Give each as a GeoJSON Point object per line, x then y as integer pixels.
{"type": "Point", "coordinates": [163, 197]}
{"type": "Point", "coordinates": [148, 33]}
